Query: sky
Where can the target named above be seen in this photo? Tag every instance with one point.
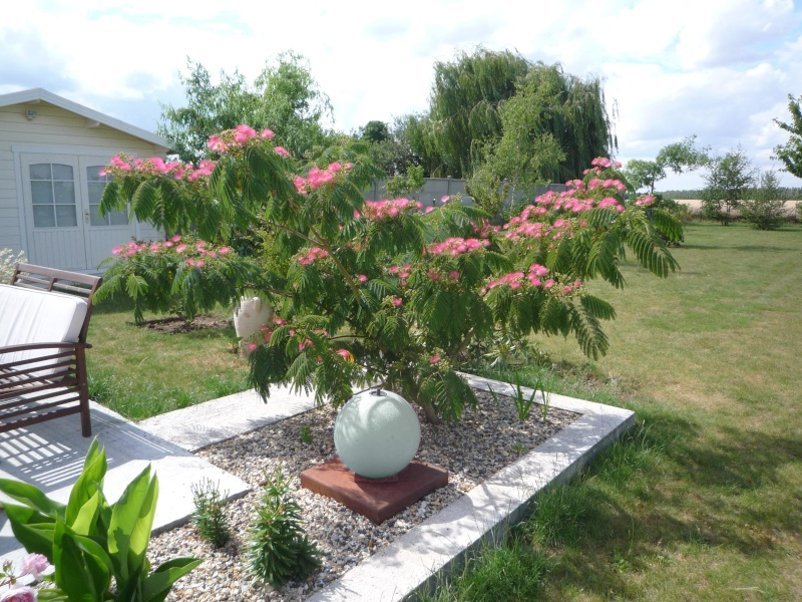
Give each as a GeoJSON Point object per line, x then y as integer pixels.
{"type": "Point", "coordinates": [718, 69]}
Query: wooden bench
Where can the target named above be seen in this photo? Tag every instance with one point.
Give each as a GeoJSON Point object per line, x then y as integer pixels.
{"type": "Point", "coordinates": [44, 318]}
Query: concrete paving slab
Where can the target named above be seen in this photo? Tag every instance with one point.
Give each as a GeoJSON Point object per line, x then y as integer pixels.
{"type": "Point", "coordinates": [416, 560]}
{"type": "Point", "coordinates": [50, 456]}
{"type": "Point", "coordinates": [200, 425]}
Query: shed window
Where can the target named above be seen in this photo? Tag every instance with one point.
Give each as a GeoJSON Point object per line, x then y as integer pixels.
{"type": "Point", "coordinates": [95, 184]}
{"type": "Point", "coordinates": [53, 195]}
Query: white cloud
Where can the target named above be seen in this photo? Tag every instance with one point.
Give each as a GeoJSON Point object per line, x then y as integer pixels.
{"type": "Point", "coordinates": [718, 68]}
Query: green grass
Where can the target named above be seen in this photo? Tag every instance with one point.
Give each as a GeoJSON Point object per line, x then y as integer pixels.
{"type": "Point", "coordinates": [140, 372]}
{"type": "Point", "coordinates": [702, 500]}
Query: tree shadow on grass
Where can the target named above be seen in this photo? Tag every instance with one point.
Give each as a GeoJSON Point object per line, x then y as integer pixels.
{"type": "Point", "coordinates": [664, 485]}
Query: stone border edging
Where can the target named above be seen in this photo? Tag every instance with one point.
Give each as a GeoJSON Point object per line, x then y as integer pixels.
{"type": "Point", "coordinates": [421, 556]}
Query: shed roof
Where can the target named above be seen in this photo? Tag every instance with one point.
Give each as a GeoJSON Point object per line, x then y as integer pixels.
{"type": "Point", "coordinates": [41, 95]}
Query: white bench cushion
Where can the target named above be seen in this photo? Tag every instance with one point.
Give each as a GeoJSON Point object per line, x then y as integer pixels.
{"type": "Point", "coordinates": [34, 316]}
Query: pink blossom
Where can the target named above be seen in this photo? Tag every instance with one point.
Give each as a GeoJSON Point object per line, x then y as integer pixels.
{"type": "Point", "coordinates": [251, 347]}
{"type": "Point", "coordinates": [454, 275]}
{"type": "Point", "coordinates": [362, 278]}
{"type": "Point", "coordinates": [434, 358]}
{"type": "Point", "coordinates": [312, 255]}
{"type": "Point", "coordinates": [224, 250]}
{"type": "Point", "coordinates": [444, 198]}
{"type": "Point", "coordinates": [34, 564]}
{"type": "Point", "coordinates": [456, 246]}
{"type": "Point", "coordinates": [20, 594]}
{"type": "Point", "coordinates": [387, 209]}
{"type": "Point", "coordinates": [345, 354]}
{"type": "Point", "coordinates": [117, 250]}
{"type": "Point", "coordinates": [281, 151]}
{"type": "Point", "coordinates": [266, 133]}
{"type": "Point", "coordinates": [538, 270]}
{"type": "Point", "coordinates": [645, 200]}
{"type": "Point", "coordinates": [433, 275]}
{"type": "Point", "coordinates": [397, 301]}
{"type": "Point", "coordinates": [181, 248]}
{"type": "Point", "coordinates": [216, 144]}
{"type": "Point", "coordinates": [549, 283]}
{"type": "Point", "coordinates": [279, 321]}
{"type": "Point", "coordinates": [304, 344]}
{"type": "Point", "coordinates": [243, 133]}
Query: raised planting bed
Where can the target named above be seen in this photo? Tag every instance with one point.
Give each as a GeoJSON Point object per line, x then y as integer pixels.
{"type": "Point", "coordinates": [497, 464]}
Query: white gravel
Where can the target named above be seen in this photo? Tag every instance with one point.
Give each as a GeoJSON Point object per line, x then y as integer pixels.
{"type": "Point", "coordinates": [485, 440]}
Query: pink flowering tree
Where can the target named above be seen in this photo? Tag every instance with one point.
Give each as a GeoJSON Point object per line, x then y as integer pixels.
{"type": "Point", "coordinates": [386, 292]}
{"type": "Point", "coordinates": [180, 276]}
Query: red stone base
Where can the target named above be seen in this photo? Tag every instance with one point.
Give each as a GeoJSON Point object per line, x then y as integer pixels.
{"type": "Point", "coordinates": [377, 499]}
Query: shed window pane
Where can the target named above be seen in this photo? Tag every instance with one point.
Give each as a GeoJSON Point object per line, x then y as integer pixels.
{"type": "Point", "coordinates": [94, 216]}
{"type": "Point", "coordinates": [65, 216]}
{"type": "Point", "coordinates": [62, 172]}
{"type": "Point", "coordinates": [42, 193]}
{"type": "Point", "coordinates": [64, 193]}
{"type": "Point", "coordinates": [40, 171]}
{"type": "Point", "coordinates": [118, 218]}
{"type": "Point", "coordinates": [43, 216]}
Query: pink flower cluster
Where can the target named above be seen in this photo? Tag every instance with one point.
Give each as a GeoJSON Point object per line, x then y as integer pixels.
{"type": "Point", "coordinates": [451, 277]}
{"type": "Point", "coordinates": [645, 201]}
{"type": "Point", "coordinates": [605, 163]}
{"type": "Point", "coordinates": [387, 209]}
{"type": "Point", "coordinates": [483, 229]}
{"type": "Point", "coordinates": [312, 255]}
{"type": "Point", "coordinates": [527, 225]}
{"type": "Point", "coordinates": [237, 137]}
{"type": "Point", "coordinates": [197, 252]}
{"type": "Point", "coordinates": [535, 277]}
{"type": "Point", "coordinates": [319, 177]}
{"type": "Point", "coordinates": [401, 271]}
{"type": "Point", "coordinates": [120, 165]}
{"type": "Point", "coordinates": [457, 246]}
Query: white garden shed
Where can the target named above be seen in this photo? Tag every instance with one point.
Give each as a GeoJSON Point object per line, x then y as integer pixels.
{"type": "Point", "coordinates": [51, 153]}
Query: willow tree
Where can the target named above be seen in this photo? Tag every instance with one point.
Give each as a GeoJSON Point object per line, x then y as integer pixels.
{"type": "Point", "coordinates": [463, 115]}
{"type": "Point", "coordinates": [551, 128]}
{"type": "Point", "coordinates": [467, 120]}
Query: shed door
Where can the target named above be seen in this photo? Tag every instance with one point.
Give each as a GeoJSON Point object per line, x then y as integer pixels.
{"type": "Point", "coordinates": [61, 197]}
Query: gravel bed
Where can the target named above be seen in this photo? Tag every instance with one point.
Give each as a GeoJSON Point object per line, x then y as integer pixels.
{"type": "Point", "coordinates": [485, 440]}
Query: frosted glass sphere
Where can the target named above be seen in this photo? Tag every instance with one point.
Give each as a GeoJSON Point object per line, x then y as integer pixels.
{"type": "Point", "coordinates": [376, 434]}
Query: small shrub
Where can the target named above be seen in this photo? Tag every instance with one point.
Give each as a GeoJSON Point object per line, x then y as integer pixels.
{"type": "Point", "coordinates": [181, 276]}
{"type": "Point", "coordinates": [99, 550]}
{"type": "Point", "coordinates": [278, 549]}
{"type": "Point", "coordinates": [209, 517]}
{"type": "Point", "coordinates": [7, 263]}
{"type": "Point", "coordinates": [767, 210]}
{"type": "Point", "coordinates": [306, 434]}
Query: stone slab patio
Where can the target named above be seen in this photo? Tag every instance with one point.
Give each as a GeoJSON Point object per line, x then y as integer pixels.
{"type": "Point", "coordinates": [50, 456]}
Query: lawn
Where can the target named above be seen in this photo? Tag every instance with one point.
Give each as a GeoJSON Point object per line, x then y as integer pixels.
{"type": "Point", "coordinates": [140, 372]}
{"type": "Point", "coordinates": [703, 499]}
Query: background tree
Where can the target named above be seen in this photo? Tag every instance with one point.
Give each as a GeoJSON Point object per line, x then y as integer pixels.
{"type": "Point", "coordinates": [503, 120]}
{"type": "Point", "coordinates": [284, 98]}
{"type": "Point", "coordinates": [727, 183]}
{"type": "Point", "coordinates": [388, 147]}
{"type": "Point", "coordinates": [292, 104]}
{"type": "Point", "coordinates": [463, 115]}
{"type": "Point", "coordinates": [209, 108]}
{"type": "Point", "coordinates": [678, 157]}
{"type": "Point", "coordinates": [766, 211]}
{"type": "Point", "coordinates": [790, 153]}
